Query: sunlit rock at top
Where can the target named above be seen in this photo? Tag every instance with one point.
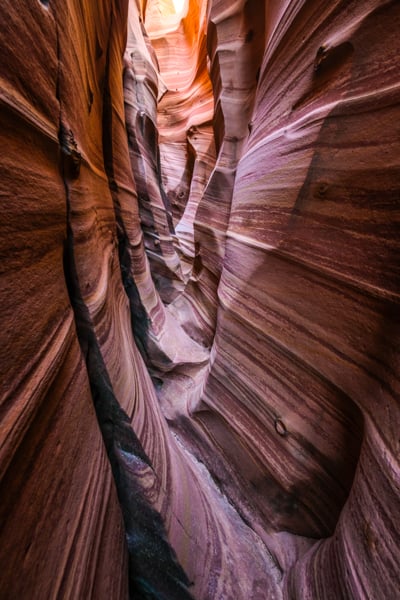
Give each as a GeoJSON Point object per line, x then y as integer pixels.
{"type": "Point", "coordinates": [179, 5]}
{"type": "Point", "coordinates": [165, 16]}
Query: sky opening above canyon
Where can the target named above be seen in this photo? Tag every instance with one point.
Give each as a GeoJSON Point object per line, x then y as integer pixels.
{"type": "Point", "coordinates": [179, 5]}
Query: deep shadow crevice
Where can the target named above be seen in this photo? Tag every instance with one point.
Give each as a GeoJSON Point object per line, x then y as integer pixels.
{"type": "Point", "coordinates": [154, 572]}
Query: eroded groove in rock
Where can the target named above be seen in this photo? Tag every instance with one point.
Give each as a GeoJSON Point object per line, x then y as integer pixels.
{"type": "Point", "coordinates": [153, 568]}
{"type": "Point", "coordinates": [154, 571]}
{"type": "Point", "coordinates": [169, 352]}
{"type": "Point", "coordinates": [184, 124]}
{"type": "Point", "coordinates": [235, 40]}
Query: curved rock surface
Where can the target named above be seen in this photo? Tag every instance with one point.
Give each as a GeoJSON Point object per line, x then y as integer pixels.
{"type": "Point", "coordinates": [200, 300]}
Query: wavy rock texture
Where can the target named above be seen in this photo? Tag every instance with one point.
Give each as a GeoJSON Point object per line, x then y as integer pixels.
{"type": "Point", "coordinates": [297, 236]}
{"type": "Point", "coordinates": [61, 526]}
{"type": "Point", "coordinates": [71, 525]}
{"type": "Point", "coordinates": [200, 300]}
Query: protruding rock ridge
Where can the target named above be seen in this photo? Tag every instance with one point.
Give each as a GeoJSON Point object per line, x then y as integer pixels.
{"type": "Point", "coordinates": [165, 345]}
{"type": "Point", "coordinates": [198, 190]}
{"type": "Point", "coordinates": [184, 117]}
{"type": "Point", "coordinates": [143, 87]}
{"type": "Point", "coordinates": [235, 42]}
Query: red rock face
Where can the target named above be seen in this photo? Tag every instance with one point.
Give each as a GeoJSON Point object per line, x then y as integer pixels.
{"type": "Point", "coordinates": [200, 300]}
{"type": "Point", "coordinates": [61, 524]}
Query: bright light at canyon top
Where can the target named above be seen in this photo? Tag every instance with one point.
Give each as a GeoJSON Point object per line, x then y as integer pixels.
{"type": "Point", "coordinates": [179, 6]}
{"type": "Point", "coordinates": [172, 8]}
{"type": "Point", "coordinates": [164, 16]}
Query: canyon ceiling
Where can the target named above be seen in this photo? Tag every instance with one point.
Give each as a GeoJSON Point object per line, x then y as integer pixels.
{"type": "Point", "coordinates": [200, 286]}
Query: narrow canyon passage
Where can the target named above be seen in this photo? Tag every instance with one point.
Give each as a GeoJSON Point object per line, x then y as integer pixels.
{"type": "Point", "coordinates": [199, 285]}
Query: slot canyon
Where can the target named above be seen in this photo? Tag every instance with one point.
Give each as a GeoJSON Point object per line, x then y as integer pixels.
{"type": "Point", "coordinates": [200, 300]}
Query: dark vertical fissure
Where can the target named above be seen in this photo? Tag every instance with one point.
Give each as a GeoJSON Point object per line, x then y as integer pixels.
{"type": "Point", "coordinates": [139, 319]}
{"type": "Point", "coordinates": [154, 572]}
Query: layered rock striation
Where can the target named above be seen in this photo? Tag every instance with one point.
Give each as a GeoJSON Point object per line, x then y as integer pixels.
{"type": "Point", "coordinates": [200, 300]}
